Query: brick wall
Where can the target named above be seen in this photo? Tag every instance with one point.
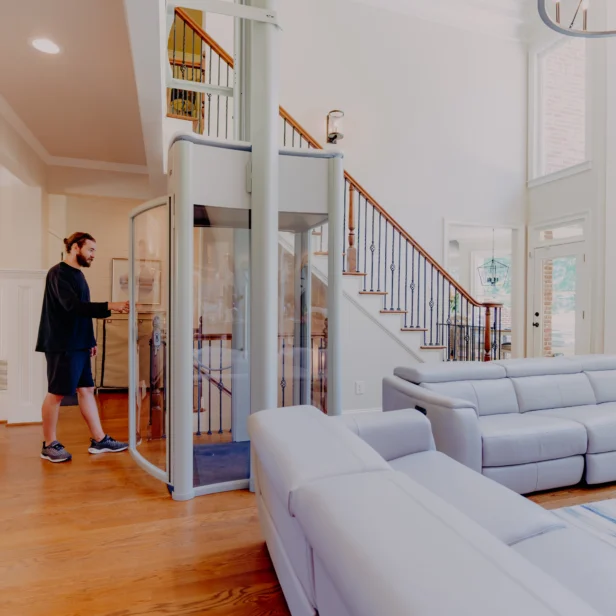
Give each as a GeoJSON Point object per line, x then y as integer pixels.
{"type": "Point", "coordinates": [563, 113]}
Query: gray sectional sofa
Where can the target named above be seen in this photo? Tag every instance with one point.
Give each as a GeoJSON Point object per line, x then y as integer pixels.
{"type": "Point", "coordinates": [363, 517]}
{"type": "Point", "coordinates": [530, 424]}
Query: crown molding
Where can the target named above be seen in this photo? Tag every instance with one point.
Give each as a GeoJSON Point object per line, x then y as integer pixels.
{"type": "Point", "coordinates": [504, 19]}
{"type": "Point", "coordinates": [19, 126]}
{"type": "Point", "coordinates": [96, 165]}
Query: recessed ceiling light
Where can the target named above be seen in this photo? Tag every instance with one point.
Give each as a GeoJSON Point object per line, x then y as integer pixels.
{"type": "Point", "coordinates": [45, 45]}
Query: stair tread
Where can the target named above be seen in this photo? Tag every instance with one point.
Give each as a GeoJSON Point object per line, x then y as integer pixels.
{"type": "Point", "coordinates": [374, 293]}
{"type": "Point", "coordinates": [353, 274]}
{"type": "Point", "coordinates": [413, 329]}
{"type": "Point", "coordinates": [394, 311]}
{"type": "Point", "coordinates": [434, 347]}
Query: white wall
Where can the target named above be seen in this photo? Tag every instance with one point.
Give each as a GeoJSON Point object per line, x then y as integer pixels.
{"type": "Point", "coordinates": [435, 123]}
{"type": "Point", "coordinates": [107, 220]}
{"type": "Point", "coordinates": [23, 202]}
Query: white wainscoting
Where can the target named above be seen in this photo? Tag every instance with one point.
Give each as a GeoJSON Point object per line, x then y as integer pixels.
{"type": "Point", "coordinates": [21, 298]}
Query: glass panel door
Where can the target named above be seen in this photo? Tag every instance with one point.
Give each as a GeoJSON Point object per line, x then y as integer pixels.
{"type": "Point", "coordinates": [221, 359]}
{"type": "Point", "coordinates": [560, 314]}
{"type": "Point", "coordinates": [150, 315]}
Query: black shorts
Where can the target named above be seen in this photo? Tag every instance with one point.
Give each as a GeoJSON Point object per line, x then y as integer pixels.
{"type": "Point", "coordinates": [68, 371]}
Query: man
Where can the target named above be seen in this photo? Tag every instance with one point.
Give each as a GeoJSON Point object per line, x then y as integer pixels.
{"type": "Point", "coordinates": [66, 336]}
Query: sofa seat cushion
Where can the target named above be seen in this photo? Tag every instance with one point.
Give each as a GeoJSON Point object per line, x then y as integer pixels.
{"type": "Point", "coordinates": [598, 420]}
{"type": "Point", "coordinates": [499, 510]}
{"type": "Point", "coordinates": [530, 437]}
{"type": "Point", "coordinates": [579, 561]}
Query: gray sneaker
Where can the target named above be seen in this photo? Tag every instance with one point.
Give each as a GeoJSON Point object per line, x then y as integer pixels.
{"type": "Point", "coordinates": [106, 445]}
{"type": "Point", "coordinates": [55, 452]}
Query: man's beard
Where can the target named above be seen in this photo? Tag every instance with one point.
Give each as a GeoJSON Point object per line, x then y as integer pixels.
{"type": "Point", "coordinates": [83, 261]}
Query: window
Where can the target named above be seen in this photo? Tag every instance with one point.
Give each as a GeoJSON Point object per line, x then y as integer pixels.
{"type": "Point", "coordinates": [559, 138]}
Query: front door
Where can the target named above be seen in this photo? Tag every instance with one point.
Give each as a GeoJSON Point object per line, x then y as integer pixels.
{"type": "Point", "coordinates": [560, 301]}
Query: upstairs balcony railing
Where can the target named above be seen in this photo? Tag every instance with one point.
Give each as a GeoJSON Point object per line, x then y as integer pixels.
{"type": "Point", "coordinates": [377, 249]}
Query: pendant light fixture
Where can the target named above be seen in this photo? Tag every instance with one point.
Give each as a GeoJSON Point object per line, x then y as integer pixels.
{"type": "Point", "coordinates": [572, 21]}
{"type": "Point", "coordinates": [493, 273]}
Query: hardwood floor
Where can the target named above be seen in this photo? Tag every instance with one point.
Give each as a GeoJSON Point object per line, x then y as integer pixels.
{"type": "Point", "coordinates": [97, 536]}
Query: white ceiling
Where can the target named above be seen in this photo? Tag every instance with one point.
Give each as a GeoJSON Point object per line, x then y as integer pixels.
{"type": "Point", "coordinates": [81, 103]}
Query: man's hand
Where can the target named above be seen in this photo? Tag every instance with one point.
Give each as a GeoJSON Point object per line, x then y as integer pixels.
{"type": "Point", "coordinates": [121, 307]}
{"type": "Point", "coordinates": [94, 352]}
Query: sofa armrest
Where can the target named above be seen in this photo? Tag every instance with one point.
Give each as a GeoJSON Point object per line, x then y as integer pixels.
{"type": "Point", "coordinates": [394, 434]}
{"type": "Point", "coordinates": [454, 422]}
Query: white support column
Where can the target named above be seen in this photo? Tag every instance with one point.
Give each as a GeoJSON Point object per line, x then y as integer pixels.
{"type": "Point", "coordinates": [334, 286]}
{"type": "Point", "coordinates": [264, 240]}
{"type": "Point", "coordinates": [181, 329]}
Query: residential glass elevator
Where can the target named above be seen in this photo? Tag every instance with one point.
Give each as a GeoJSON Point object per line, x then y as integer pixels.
{"type": "Point", "coordinates": [191, 273]}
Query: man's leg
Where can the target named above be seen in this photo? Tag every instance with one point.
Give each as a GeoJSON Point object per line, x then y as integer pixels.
{"type": "Point", "coordinates": [89, 411]}
{"type": "Point", "coordinates": [51, 410]}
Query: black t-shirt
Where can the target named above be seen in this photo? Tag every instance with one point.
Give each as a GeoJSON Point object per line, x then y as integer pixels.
{"type": "Point", "coordinates": [66, 320]}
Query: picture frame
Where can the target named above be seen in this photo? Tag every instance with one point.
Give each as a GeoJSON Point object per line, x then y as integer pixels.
{"type": "Point", "coordinates": [148, 288]}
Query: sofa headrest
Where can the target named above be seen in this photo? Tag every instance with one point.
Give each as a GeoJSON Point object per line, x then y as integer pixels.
{"type": "Point", "coordinates": [394, 434]}
{"type": "Point", "coordinates": [591, 363]}
{"type": "Point", "coordinates": [539, 366]}
{"type": "Point", "coordinates": [450, 371]}
{"type": "Point", "coordinates": [299, 444]}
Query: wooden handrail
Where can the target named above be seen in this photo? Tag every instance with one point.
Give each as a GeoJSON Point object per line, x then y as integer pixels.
{"type": "Point", "coordinates": [349, 178]}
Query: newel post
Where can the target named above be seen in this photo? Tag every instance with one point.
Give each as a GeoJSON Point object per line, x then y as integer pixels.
{"type": "Point", "coordinates": [352, 250]}
{"type": "Point", "coordinates": [488, 337]}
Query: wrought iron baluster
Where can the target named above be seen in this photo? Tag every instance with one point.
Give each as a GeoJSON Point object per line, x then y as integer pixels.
{"type": "Point", "coordinates": [378, 269]}
{"type": "Point", "coordinates": [365, 242]}
{"type": "Point", "coordinates": [220, 388]}
{"type": "Point", "coordinates": [449, 349]}
{"type": "Point", "coordinates": [372, 248]}
{"type": "Point", "coordinates": [227, 108]}
{"type": "Point", "coordinates": [400, 268]}
{"type": "Point", "coordinates": [385, 267]}
{"type": "Point", "coordinates": [406, 280]}
{"type": "Point", "coordinates": [218, 103]}
{"type": "Point", "coordinates": [284, 134]}
{"type": "Point", "coordinates": [412, 285]}
{"type": "Point", "coordinates": [425, 293]}
{"type": "Point", "coordinates": [466, 336]}
{"type": "Point", "coordinates": [431, 303]}
{"type": "Point", "coordinates": [209, 383]}
{"type": "Point", "coordinates": [473, 337]}
{"type": "Point", "coordinates": [418, 290]}
{"type": "Point", "coordinates": [500, 332]}
{"type": "Point", "coordinates": [199, 374]}
{"type": "Point", "coordinates": [183, 69]}
{"type": "Point", "coordinates": [283, 381]}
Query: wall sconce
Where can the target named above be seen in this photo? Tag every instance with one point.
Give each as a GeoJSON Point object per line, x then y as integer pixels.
{"type": "Point", "coordinates": [334, 125]}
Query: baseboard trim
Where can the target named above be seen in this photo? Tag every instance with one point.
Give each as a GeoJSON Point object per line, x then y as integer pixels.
{"type": "Point", "coordinates": [25, 423]}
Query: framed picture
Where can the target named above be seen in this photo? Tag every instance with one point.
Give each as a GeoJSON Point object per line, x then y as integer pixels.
{"type": "Point", "coordinates": [148, 279]}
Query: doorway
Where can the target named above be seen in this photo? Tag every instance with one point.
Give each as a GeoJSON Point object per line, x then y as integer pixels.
{"type": "Point", "coordinates": [561, 292]}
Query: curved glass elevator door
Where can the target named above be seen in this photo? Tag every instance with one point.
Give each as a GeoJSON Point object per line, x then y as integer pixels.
{"type": "Point", "coordinates": [149, 269]}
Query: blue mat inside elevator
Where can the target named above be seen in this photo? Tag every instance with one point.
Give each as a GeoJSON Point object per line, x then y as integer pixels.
{"type": "Point", "coordinates": [219, 462]}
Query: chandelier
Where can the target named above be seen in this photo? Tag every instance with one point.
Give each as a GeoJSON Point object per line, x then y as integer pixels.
{"type": "Point", "coordinates": [573, 22]}
{"type": "Point", "coordinates": [493, 273]}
